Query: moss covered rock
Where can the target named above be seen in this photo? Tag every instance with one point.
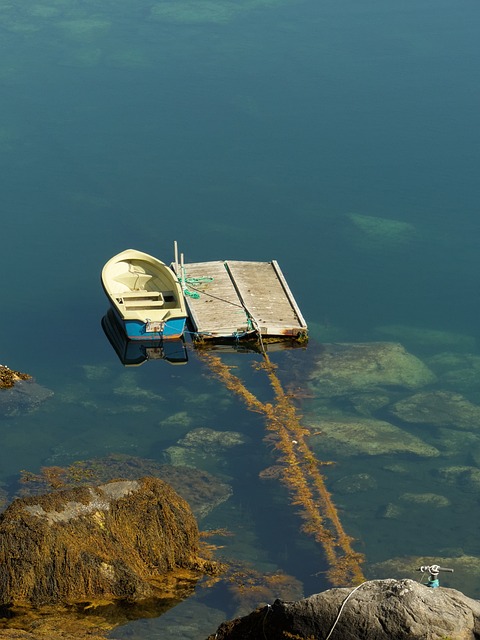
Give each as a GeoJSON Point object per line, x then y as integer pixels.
{"type": "Point", "coordinates": [344, 369]}
{"type": "Point", "coordinates": [374, 230]}
{"type": "Point", "coordinates": [202, 490]}
{"type": "Point", "coordinates": [8, 377]}
{"type": "Point", "coordinates": [353, 436]}
{"type": "Point", "coordinates": [114, 541]}
{"type": "Point", "coordinates": [438, 408]}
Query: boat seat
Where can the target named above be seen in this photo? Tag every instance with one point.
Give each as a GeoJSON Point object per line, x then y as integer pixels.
{"type": "Point", "coordinates": [140, 295]}
{"type": "Point", "coordinates": [140, 299]}
{"type": "Point", "coordinates": [136, 304]}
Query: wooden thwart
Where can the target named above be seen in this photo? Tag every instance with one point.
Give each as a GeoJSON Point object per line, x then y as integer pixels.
{"type": "Point", "coordinates": [236, 298]}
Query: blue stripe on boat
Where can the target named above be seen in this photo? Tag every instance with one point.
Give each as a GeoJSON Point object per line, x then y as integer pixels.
{"type": "Point", "coordinates": [172, 328]}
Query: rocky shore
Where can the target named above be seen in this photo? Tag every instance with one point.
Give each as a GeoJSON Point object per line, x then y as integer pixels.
{"type": "Point", "coordinates": [8, 377]}
{"type": "Point", "coordinates": [375, 610]}
{"type": "Point", "coordinates": [127, 548]}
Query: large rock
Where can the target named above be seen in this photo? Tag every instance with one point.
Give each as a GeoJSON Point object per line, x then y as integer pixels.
{"type": "Point", "coordinates": [377, 610]}
{"type": "Point", "coordinates": [438, 408]}
{"type": "Point", "coordinates": [120, 540]}
{"type": "Point", "coordinates": [344, 369]}
{"type": "Point", "coordinates": [353, 436]}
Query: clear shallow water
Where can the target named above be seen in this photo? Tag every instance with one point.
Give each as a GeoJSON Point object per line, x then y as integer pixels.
{"type": "Point", "coordinates": [251, 133]}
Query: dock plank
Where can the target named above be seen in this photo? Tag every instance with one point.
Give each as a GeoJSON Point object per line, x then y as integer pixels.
{"type": "Point", "coordinates": [263, 293]}
{"type": "Point", "coordinates": [239, 289]}
{"type": "Point", "coordinates": [218, 312]}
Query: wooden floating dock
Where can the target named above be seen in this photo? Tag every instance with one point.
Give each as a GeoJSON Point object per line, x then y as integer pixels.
{"type": "Point", "coordinates": [231, 299]}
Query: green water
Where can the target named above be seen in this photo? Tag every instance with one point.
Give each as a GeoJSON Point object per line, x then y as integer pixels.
{"type": "Point", "coordinates": [341, 139]}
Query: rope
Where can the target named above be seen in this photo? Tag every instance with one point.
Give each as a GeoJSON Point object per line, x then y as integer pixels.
{"type": "Point", "coordinates": [195, 294]}
{"type": "Point", "coordinates": [199, 280]}
{"type": "Point", "coordinates": [268, 609]}
{"type": "Point", "coordinates": [205, 293]}
{"type": "Point", "coordinates": [258, 331]}
{"type": "Point", "coordinates": [342, 607]}
{"type": "Point", "coordinates": [191, 281]}
{"type": "Point", "coordinates": [251, 322]}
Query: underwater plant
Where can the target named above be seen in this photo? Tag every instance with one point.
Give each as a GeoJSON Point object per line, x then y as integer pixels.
{"type": "Point", "coordinates": [299, 471]}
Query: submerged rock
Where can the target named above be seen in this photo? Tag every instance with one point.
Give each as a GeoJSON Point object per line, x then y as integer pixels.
{"type": "Point", "coordinates": [457, 371]}
{"type": "Point", "coordinates": [367, 404]}
{"type": "Point", "coordinates": [109, 542]}
{"type": "Point", "coordinates": [425, 499]}
{"type": "Point", "coordinates": [465, 477]}
{"type": "Point", "coordinates": [452, 442]}
{"type": "Point", "coordinates": [210, 440]}
{"type": "Point", "coordinates": [203, 445]}
{"type": "Point", "coordinates": [376, 610]}
{"type": "Point", "coordinates": [356, 483]}
{"type": "Point", "coordinates": [353, 435]}
{"type": "Point", "coordinates": [381, 232]}
{"type": "Point", "coordinates": [438, 408]}
{"type": "Point", "coordinates": [343, 369]}
{"type": "Point", "coordinates": [202, 490]}
{"type": "Point", "coordinates": [178, 419]}
{"type": "Point", "coordinates": [24, 396]}
{"type": "Point", "coordinates": [432, 339]}
{"type": "Point", "coordinates": [390, 511]}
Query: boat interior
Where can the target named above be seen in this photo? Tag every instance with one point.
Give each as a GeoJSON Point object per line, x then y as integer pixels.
{"type": "Point", "coordinates": [136, 288]}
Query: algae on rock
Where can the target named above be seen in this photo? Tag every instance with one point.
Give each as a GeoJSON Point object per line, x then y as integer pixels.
{"type": "Point", "coordinates": [127, 539]}
{"type": "Point", "coordinates": [8, 377]}
{"type": "Point", "coordinates": [353, 436]}
{"type": "Point", "coordinates": [425, 499]}
{"type": "Point", "coordinates": [438, 408]}
{"type": "Point", "coordinates": [203, 491]}
{"type": "Point", "coordinates": [381, 232]}
{"type": "Point", "coordinates": [203, 446]}
{"type": "Point", "coordinates": [345, 369]}
{"type": "Point", "coordinates": [464, 477]}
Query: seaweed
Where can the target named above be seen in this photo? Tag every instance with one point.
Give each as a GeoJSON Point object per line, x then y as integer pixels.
{"type": "Point", "coordinates": [298, 470]}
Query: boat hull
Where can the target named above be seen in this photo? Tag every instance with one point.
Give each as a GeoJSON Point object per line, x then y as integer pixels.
{"type": "Point", "coordinates": [145, 295]}
{"type": "Point", "coordinates": [167, 330]}
{"type": "Point", "coordinates": [136, 352]}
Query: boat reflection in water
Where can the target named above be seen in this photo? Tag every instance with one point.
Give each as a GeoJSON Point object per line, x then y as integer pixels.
{"type": "Point", "coordinates": [133, 353]}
